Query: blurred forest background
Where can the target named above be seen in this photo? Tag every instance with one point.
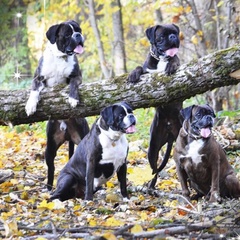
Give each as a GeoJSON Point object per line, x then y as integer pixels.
{"type": "Point", "coordinates": [114, 31]}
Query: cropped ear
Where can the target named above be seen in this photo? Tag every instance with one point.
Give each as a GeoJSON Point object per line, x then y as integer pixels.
{"type": "Point", "coordinates": [187, 112]}
{"type": "Point", "coordinates": [52, 32]}
{"type": "Point", "coordinates": [107, 115]}
{"type": "Point", "coordinates": [150, 33]}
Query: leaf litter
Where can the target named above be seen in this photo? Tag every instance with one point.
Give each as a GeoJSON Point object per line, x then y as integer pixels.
{"type": "Point", "coordinates": [163, 213]}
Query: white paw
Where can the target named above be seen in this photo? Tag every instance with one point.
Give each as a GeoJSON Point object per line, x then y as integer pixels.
{"type": "Point", "coordinates": [63, 126]}
{"type": "Point", "coordinates": [30, 108]}
{"type": "Point", "coordinates": [73, 102]}
{"type": "Point", "coordinates": [32, 102]}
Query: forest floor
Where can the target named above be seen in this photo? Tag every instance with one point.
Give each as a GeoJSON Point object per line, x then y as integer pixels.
{"type": "Point", "coordinates": [25, 212]}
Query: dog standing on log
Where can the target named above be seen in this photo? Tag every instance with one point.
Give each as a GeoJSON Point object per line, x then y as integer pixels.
{"type": "Point", "coordinates": [101, 153]}
{"type": "Point", "coordinates": [59, 65]}
{"type": "Point", "coordinates": [164, 40]}
{"type": "Point", "coordinates": [200, 160]}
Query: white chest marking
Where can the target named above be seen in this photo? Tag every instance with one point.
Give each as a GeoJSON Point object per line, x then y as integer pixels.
{"type": "Point", "coordinates": [193, 151]}
{"type": "Point", "coordinates": [113, 152]}
{"type": "Point", "coordinates": [56, 68]}
{"type": "Point", "coordinates": [160, 67]}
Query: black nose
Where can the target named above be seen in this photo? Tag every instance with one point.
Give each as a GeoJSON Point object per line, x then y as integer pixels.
{"type": "Point", "coordinates": [172, 37]}
{"type": "Point", "coordinates": [78, 37]}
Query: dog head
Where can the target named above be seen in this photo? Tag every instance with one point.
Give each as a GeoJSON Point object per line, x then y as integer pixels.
{"type": "Point", "coordinates": [200, 120]}
{"type": "Point", "coordinates": [119, 118]}
{"type": "Point", "coordinates": [164, 40]}
{"type": "Point", "coordinates": [67, 36]}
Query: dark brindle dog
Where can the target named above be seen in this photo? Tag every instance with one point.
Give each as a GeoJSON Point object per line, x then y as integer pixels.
{"type": "Point", "coordinates": [200, 160]}
{"type": "Point", "coordinates": [59, 65]}
{"type": "Point", "coordinates": [164, 40]}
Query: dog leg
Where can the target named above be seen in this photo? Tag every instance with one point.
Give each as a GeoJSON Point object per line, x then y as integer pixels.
{"type": "Point", "coordinates": [215, 193]}
{"type": "Point", "coordinates": [122, 176]}
{"type": "Point", "coordinates": [65, 188]}
{"type": "Point", "coordinates": [55, 138]}
{"type": "Point", "coordinates": [90, 178]}
{"type": "Point", "coordinates": [37, 87]}
{"type": "Point", "coordinates": [232, 187]}
{"type": "Point", "coordinates": [74, 94]}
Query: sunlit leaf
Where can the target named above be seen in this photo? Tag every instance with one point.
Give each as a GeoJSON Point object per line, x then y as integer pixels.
{"type": "Point", "coordinates": [113, 222]}
{"type": "Point", "coordinates": [136, 228]}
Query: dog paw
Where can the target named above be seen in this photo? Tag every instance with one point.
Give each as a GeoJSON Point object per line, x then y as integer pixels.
{"type": "Point", "coordinates": [134, 76]}
{"type": "Point", "coordinates": [30, 108]}
{"type": "Point", "coordinates": [172, 65]}
{"type": "Point", "coordinates": [31, 105]}
{"type": "Point", "coordinates": [73, 102]}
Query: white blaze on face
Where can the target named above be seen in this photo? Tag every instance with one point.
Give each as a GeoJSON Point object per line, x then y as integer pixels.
{"type": "Point", "coordinates": [79, 49]}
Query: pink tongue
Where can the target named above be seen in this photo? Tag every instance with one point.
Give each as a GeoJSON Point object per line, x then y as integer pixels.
{"type": "Point", "coordinates": [205, 132]}
{"type": "Point", "coordinates": [131, 129]}
{"type": "Point", "coordinates": [79, 49]}
{"type": "Point", "coordinates": [171, 52]}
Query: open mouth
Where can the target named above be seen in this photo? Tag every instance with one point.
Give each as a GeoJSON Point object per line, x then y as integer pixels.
{"type": "Point", "coordinates": [171, 52]}
{"type": "Point", "coordinates": [130, 129]}
{"type": "Point", "coordinates": [205, 132]}
{"type": "Point", "coordinates": [79, 49]}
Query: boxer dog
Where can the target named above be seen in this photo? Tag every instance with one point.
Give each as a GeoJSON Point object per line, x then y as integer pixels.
{"type": "Point", "coordinates": [73, 131]}
{"type": "Point", "coordinates": [59, 63]}
{"type": "Point", "coordinates": [162, 57]}
{"type": "Point", "coordinates": [101, 153]}
{"type": "Point", "coordinates": [200, 160]}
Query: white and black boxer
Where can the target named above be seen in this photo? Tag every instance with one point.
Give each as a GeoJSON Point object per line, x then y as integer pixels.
{"type": "Point", "coordinates": [200, 160]}
{"type": "Point", "coordinates": [59, 65]}
{"type": "Point", "coordinates": [162, 57]}
{"type": "Point", "coordinates": [101, 153]}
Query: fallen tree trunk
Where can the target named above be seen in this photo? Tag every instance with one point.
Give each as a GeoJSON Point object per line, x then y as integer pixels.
{"type": "Point", "coordinates": [219, 69]}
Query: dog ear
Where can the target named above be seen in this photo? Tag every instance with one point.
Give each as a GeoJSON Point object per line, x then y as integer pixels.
{"type": "Point", "coordinates": [187, 112]}
{"type": "Point", "coordinates": [51, 33]}
{"type": "Point", "coordinates": [150, 33]}
{"type": "Point", "coordinates": [107, 115]}
{"type": "Point", "coordinates": [177, 28]}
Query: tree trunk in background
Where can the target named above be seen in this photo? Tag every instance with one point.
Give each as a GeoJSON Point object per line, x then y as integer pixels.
{"type": "Point", "coordinates": [119, 55]}
{"type": "Point", "coordinates": [105, 70]}
{"type": "Point", "coordinates": [219, 69]}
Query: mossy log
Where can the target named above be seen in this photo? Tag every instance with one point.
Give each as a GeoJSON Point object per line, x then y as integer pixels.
{"type": "Point", "coordinates": [218, 69]}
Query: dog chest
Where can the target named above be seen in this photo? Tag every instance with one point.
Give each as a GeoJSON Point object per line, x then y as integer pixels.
{"type": "Point", "coordinates": [114, 154]}
{"type": "Point", "coordinates": [193, 151]}
{"type": "Point", "coordinates": [161, 66]}
{"type": "Point", "coordinates": [56, 69]}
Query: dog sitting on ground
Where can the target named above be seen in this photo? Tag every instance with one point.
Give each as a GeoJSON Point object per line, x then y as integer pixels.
{"type": "Point", "coordinates": [200, 160]}
{"type": "Point", "coordinates": [164, 40]}
{"type": "Point", "coordinates": [101, 153]}
{"type": "Point", "coordinates": [59, 65]}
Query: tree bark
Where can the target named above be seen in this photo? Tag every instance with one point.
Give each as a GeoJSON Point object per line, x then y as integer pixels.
{"type": "Point", "coordinates": [221, 68]}
{"type": "Point", "coordinates": [119, 54]}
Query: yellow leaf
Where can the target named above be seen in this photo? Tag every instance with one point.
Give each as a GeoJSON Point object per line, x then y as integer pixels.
{"type": "Point", "coordinates": [220, 3]}
{"type": "Point", "coordinates": [46, 205]}
{"type": "Point", "coordinates": [11, 228]}
{"type": "Point", "coordinates": [194, 40]}
{"type": "Point", "coordinates": [109, 236]}
{"type": "Point", "coordinates": [113, 222]}
{"type": "Point", "coordinates": [136, 228]}
{"type": "Point", "coordinates": [92, 222]}
{"type": "Point", "coordinates": [112, 198]}
{"type": "Point", "coordinates": [110, 185]}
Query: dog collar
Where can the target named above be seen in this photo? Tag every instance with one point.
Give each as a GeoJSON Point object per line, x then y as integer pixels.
{"type": "Point", "coordinates": [164, 58]}
{"type": "Point", "coordinates": [189, 134]}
